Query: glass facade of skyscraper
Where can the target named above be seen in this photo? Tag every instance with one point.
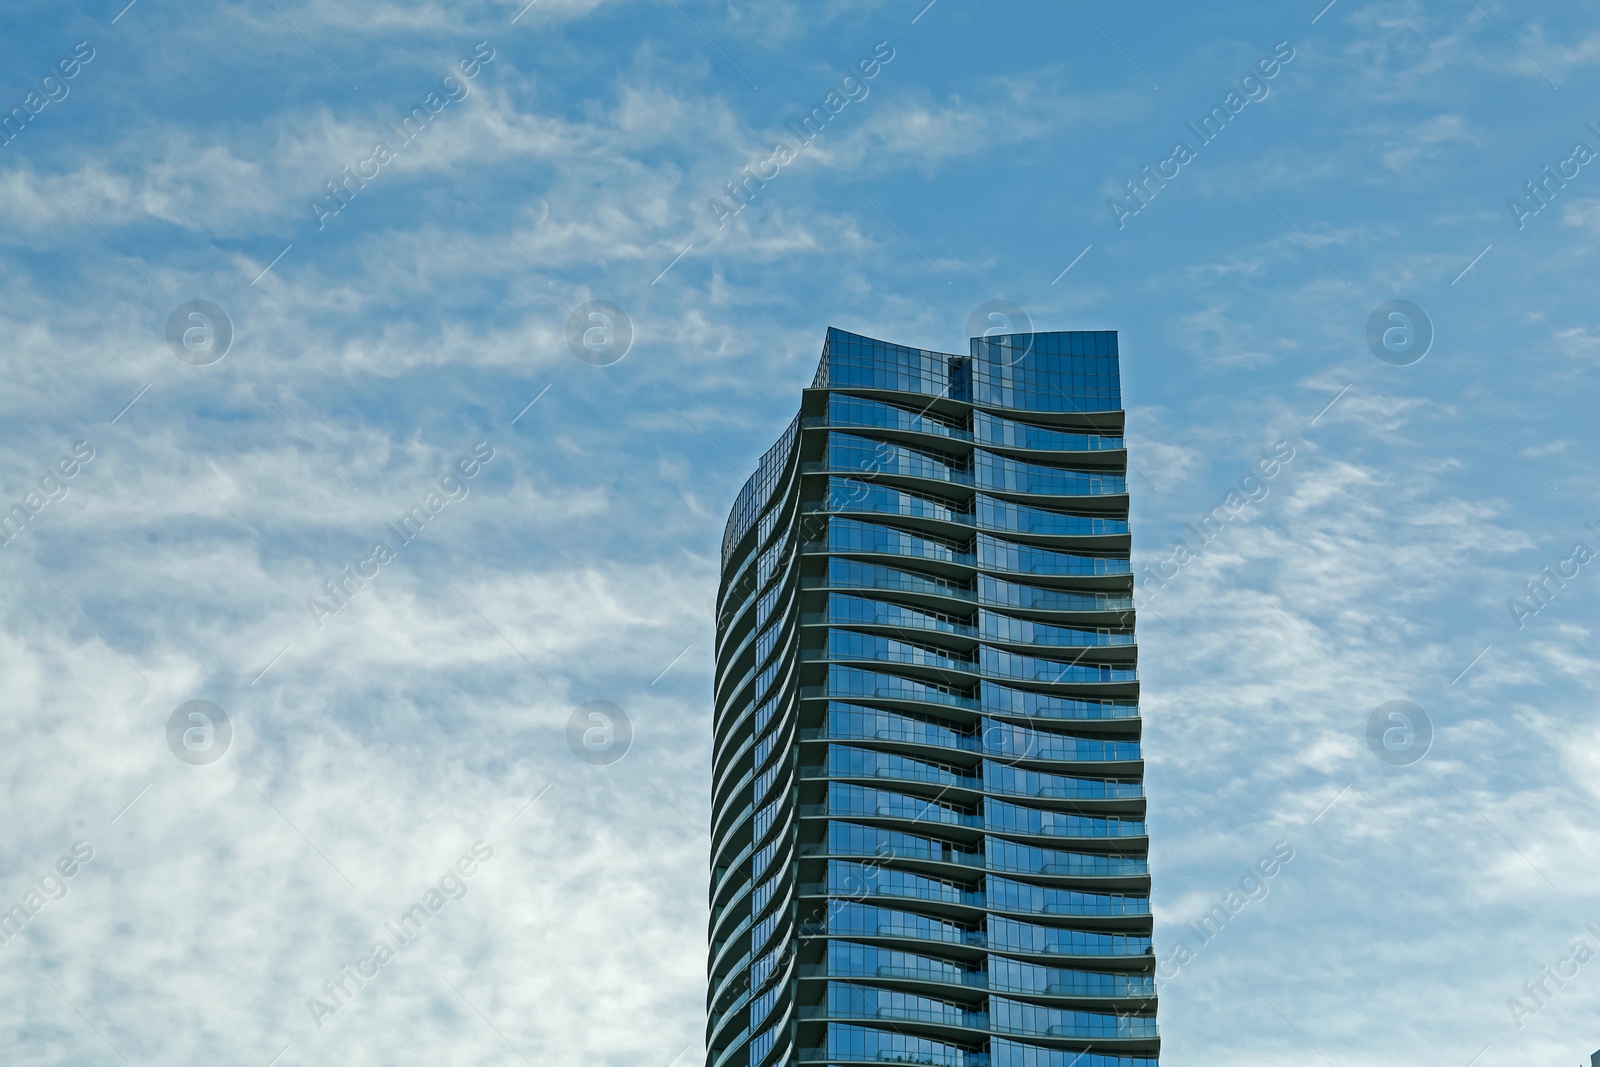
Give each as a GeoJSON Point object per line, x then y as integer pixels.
{"type": "Point", "coordinates": [928, 837]}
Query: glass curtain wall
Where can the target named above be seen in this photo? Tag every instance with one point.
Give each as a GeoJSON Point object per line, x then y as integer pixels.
{"type": "Point", "coordinates": [928, 836]}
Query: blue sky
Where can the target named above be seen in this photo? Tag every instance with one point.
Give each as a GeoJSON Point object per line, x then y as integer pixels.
{"type": "Point", "coordinates": [581, 162]}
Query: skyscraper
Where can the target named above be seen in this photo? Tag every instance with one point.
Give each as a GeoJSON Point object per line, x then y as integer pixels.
{"type": "Point", "coordinates": [928, 838]}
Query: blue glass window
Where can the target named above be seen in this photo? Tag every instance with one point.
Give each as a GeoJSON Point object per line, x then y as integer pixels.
{"type": "Point", "coordinates": [991, 471]}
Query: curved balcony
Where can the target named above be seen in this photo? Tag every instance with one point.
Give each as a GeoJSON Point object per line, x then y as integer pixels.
{"type": "Point", "coordinates": [850, 800]}
{"type": "Point", "coordinates": [1101, 906]}
{"type": "Point", "coordinates": [992, 553]}
{"type": "Point", "coordinates": [854, 537]}
{"type": "Point", "coordinates": [1000, 593]}
{"type": "Point", "coordinates": [871, 457]}
{"type": "Point", "coordinates": [1009, 433]}
{"type": "Point", "coordinates": [1009, 516]}
{"type": "Point", "coordinates": [1057, 864]}
{"type": "Point", "coordinates": [954, 1017]}
{"type": "Point", "coordinates": [854, 574]}
{"type": "Point", "coordinates": [995, 627]}
{"type": "Point", "coordinates": [854, 411]}
{"type": "Point", "coordinates": [854, 683]}
{"type": "Point", "coordinates": [852, 722]}
{"type": "Point", "coordinates": [1016, 666]}
{"type": "Point", "coordinates": [844, 608]}
{"type": "Point", "coordinates": [1078, 985]}
{"type": "Point", "coordinates": [875, 1048]}
{"type": "Point", "coordinates": [1003, 474]}
{"type": "Point", "coordinates": [1112, 947]}
{"type": "Point", "coordinates": [1083, 1025]}
{"type": "Point", "coordinates": [1080, 789]}
{"type": "Point", "coordinates": [883, 500]}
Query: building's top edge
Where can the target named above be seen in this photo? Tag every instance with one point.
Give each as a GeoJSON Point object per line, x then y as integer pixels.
{"type": "Point", "coordinates": [1045, 341]}
{"type": "Point", "coordinates": [1061, 372]}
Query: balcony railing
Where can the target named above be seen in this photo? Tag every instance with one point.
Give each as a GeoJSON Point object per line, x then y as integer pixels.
{"type": "Point", "coordinates": [955, 1058]}
{"type": "Point", "coordinates": [936, 471]}
{"type": "Point", "coordinates": [947, 935]}
{"type": "Point", "coordinates": [1077, 983]}
{"type": "Point", "coordinates": [955, 1017]}
{"type": "Point", "coordinates": [906, 774]}
{"type": "Point", "coordinates": [1094, 1026]}
{"type": "Point", "coordinates": [886, 692]}
{"type": "Point", "coordinates": [909, 506]}
{"type": "Point", "coordinates": [1037, 671]}
{"type": "Point", "coordinates": [1069, 865]}
{"type": "Point", "coordinates": [919, 549]}
{"type": "Point", "coordinates": [906, 421]}
{"type": "Point", "coordinates": [928, 813]}
{"type": "Point", "coordinates": [966, 979]}
{"type": "Point", "coordinates": [918, 622]}
{"type": "Point", "coordinates": [942, 894]}
{"type": "Point", "coordinates": [1080, 789]}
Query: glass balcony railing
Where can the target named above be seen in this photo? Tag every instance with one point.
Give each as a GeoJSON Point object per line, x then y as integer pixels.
{"type": "Point", "coordinates": [917, 549]}
{"type": "Point", "coordinates": [1050, 862]}
{"type": "Point", "coordinates": [935, 1058]}
{"type": "Point", "coordinates": [1008, 895]}
{"type": "Point", "coordinates": [1078, 789]}
{"type": "Point", "coordinates": [953, 1017]}
{"type": "Point", "coordinates": [1010, 935]}
{"type": "Point", "coordinates": [1017, 742]}
{"type": "Point", "coordinates": [907, 655]}
{"type": "Point", "coordinates": [941, 975]}
{"type": "Point", "coordinates": [943, 894]}
{"type": "Point", "coordinates": [942, 934]}
{"type": "Point", "coordinates": [847, 495]}
{"type": "Point", "coordinates": [858, 411]}
{"type": "Point", "coordinates": [895, 581]}
{"type": "Point", "coordinates": [1028, 1020]}
{"type": "Point", "coordinates": [933, 814]}
{"type": "Point", "coordinates": [1054, 982]}
{"type": "Point", "coordinates": [990, 514]}
{"type": "Point", "coordinates": [886, 687]}
{"type": "Point", "coordinates": [1011, 781]}
{"type": "Point", "coordinates": [844, 465]}
{"type": "Point", "coordinates": [993, 430]}
{"type": "Point", "coordinates": [853, 411]}
{"type": "Point", "coordinates": [935, 851]}
{"type": "Point", "coordinates": [888, 728]}
{"type": "Point", "coordinates": [1069, 864]}
{"type": "Point", "coordinates": [1004, 700]}
{"type": "Point", "coordinates": [1090, 906]}
{"type": "Point", "coordinates": [991, 738]}
{"type": "Point", "coordinates": [1040, 671]}
{"type": "Point", "coordinates": [998, 663]}
{"type": "Point", "coordinates": [1063, 983]}
{"type": "Point", "coordinates": [993, 553]}
{"type": "Point", "coordinates": [850, 609]}
{"type": "Point", "coordinates": [1088, 1025]}
{"type": "Point", "coordinates": [931, 776]}
{"type": "Point", "coordinates": [1001, 593]}
{"type": "Point", "coordinates": [1100, 1027]}
{"type": "Point", "coordinates": [1103, 946]}
{"type": "Point", "coordinates": [736, 1045]}
{"type": "Point", "coordinates": [849, 535]}
{"type": "Point", "coordinates": [991, 471]}
{"type": "Point", "coordinates": [1064, 826]}
{"type": "Point", "coordinates": [1026, 632]}
{"type": "Point", "coordinates": [865, 457]}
